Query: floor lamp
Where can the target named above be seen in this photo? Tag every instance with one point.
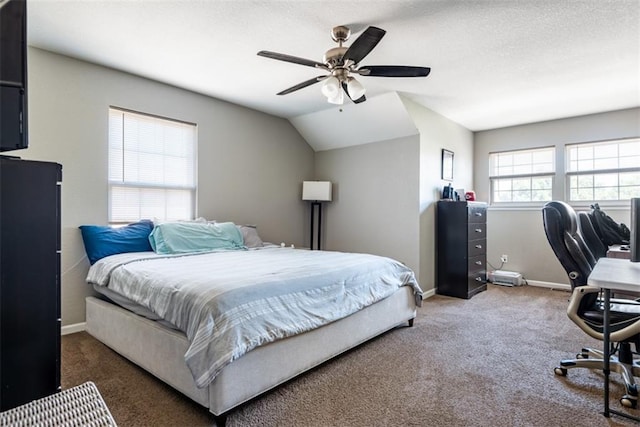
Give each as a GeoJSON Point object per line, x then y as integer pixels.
{"type": "Point", "coordinates": [316, 192]}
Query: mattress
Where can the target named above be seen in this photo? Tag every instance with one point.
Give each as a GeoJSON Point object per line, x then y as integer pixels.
{"type": "Point", "coordinates": [132, 306]}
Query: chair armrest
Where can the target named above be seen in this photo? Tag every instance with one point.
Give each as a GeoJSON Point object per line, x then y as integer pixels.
{"type": "Point", "coordinates": [573, 312]}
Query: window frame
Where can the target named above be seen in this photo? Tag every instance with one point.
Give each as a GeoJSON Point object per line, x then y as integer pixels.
{"type": "Point", "coordinates": [124, 183]}
{"type": "Point", "coordinates": [522, 204]}
{"type": "Point", "coordinates": [568, 174]}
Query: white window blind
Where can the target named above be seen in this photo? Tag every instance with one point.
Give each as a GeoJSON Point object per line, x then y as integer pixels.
{"type": "Point", "coordinates": [601, 171]}
{"type": "Point", "coordinates": [152, 167]}
{"type": "Point", "coordinates": [522, 176]}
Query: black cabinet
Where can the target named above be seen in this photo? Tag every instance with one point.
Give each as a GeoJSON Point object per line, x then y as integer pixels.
{"type": "Point", "coordinates": [461, 248]}
{"type": "Point", "coordinates": [12, 114]}
{"type": "Point", "coordinates": [13, 46]}
{"type": "Point", "coordinates": [29, 280]}
{"type": "Point", "coordinates": [13, 75]}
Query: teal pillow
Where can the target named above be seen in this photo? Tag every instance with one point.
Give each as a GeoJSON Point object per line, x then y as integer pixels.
{"type": "Point", "coordinates": [101, 241]}
{"type": "Point", "coordinates": [185, 237]}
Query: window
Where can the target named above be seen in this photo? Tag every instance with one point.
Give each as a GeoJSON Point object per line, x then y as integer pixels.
{"type": "Point", "coordinates": [152, 167]}
{"type": "Point", "coordinates": [522, 176]}
{"type": "Point", "coordinates": [603, 171]}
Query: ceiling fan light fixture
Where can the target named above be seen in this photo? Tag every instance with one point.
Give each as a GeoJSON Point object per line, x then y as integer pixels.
{"type": "Point", "coordinates": [355, 88]}
{"type": "Point", "coordinates": [337, 99]}
{"type": "Point", "coordinates": [342, 61]}
{"type": "Point", "coordinates": [331, 87]}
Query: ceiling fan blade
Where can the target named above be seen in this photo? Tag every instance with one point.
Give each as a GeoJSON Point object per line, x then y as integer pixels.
{"type": "Point", "coordinates": [355, 101]}
{"type": "Point", "coordinates": [393, 71]}
{"type": "Point", "coordinates": [289, 58]}
{"type": "Point", "coordinates": [302, 85]}
{"type": "Point", "coordinates": [363, 44]}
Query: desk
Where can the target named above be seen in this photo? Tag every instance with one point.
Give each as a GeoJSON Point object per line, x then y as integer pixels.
{"type": "Point", "coordinates": [619, 251]}
{"type": "Point", "coordinates": [620, 275]}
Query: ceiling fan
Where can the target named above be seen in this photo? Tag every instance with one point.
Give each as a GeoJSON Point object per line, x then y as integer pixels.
{"type": "Point", "coordinates": [342, 61]}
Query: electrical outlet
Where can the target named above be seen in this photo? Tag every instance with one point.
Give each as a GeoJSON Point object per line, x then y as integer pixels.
{"type": "Point", "coordinates": [504, 258]}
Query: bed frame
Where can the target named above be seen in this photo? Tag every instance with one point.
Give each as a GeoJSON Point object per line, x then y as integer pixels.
{"type": "Point", "coordinates": [161, 350]}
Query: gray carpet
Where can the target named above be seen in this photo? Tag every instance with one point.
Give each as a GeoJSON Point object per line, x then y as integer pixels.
{"type": "Point", "coordinates": [487, 361]}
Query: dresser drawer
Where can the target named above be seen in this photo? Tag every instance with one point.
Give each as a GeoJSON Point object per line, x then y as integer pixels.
{"type": "Point", "coordinates": [477, 279]}
{"type": "Point", "coordinates": [476, 230]}
{"type": "Point", "coordinates": [476, 263]}
{"type": "Point", "coordinates": [477, 213]}
{"type": "Point", "coordinates": [476, 247]}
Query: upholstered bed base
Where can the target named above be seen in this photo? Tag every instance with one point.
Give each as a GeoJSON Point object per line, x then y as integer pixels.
{"type": "Point", "coordinates": [161, 351]}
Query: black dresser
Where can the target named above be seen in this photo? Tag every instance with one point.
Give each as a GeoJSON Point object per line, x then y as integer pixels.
{"type": "Point", "coordinates": [29, 280]}
{"type": "Point", "coordinates": [461, 248]}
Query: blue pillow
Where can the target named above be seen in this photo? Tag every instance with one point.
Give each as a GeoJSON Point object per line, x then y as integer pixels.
{"type": "Point", "coordinates": [185, 237]}
{"type": "Point", "coordinates": [102, 241]}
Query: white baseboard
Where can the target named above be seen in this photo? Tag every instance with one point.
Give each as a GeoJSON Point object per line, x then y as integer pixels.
{"type": "Point", "coordinates": [538, 283]}
{"type": "Point", "coordinates": [428, 294]}
{"type": "Point", "coordinates": [550, 285]}
{"type": "Point", "coordinates": [72, 329]}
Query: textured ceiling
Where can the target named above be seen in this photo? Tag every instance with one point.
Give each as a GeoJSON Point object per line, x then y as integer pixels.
{"type": "Point", "coordinates": [494, 63]}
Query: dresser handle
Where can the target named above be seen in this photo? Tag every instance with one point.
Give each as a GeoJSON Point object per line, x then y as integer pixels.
{"type": "Point", "coordinates": [478, 214]}
{"type": "Point", "coordinates": [479, 246]}
{"type": "Point", "coordinates": [478, 279]}
{"type": "Point", "coordinates": [478, 262]}
{"type": "Point", "coordinates": [478, 230]}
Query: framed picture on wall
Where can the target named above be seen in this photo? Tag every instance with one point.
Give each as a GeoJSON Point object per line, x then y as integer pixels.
{"type": "Point", "coordinates": [447, 165]}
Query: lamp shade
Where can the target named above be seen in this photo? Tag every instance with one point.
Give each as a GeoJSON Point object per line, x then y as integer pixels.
{"type": "Point", "coordinates": [338, 99]}
{"type": "Point", "coordinates": [316, 190]}
{"type": "Point", "coordinates": [355, 88]}
{"type": "Point", "coordinates": [331, 87]}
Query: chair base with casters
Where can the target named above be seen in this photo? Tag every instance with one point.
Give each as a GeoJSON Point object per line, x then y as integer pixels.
{"type": "Point", "coordinates": [588, 316]}
{"type": "Point", "coordinates": [621, 362]}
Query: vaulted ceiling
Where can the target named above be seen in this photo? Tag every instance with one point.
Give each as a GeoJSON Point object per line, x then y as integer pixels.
{"type": "Point", "coordinates": [494, 63]}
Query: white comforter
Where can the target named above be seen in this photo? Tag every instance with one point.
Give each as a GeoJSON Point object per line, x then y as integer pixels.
{"type": "Point", "coordinates": [230, 302]}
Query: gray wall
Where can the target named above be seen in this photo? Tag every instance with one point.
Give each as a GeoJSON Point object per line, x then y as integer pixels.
{"type": "Point", "coordinates": [385, 191]}
{"type": "Point", "coordinates": [250, 165]}
{"type": "Point", "coordinates": [437, 132]}
{"type": "Point", "coordinates": [519, 232]}
{"type": "Point", "coordinates": [375, 199]}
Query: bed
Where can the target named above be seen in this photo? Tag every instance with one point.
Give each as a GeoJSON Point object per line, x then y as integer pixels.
{"type": "Point", "coordinates": [262, 307]}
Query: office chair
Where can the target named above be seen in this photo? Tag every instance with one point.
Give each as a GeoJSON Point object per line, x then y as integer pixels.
{"type": "Point", "coordinates": [585, 307]}
{"type": "Point", "coordinates": [591, 237]}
